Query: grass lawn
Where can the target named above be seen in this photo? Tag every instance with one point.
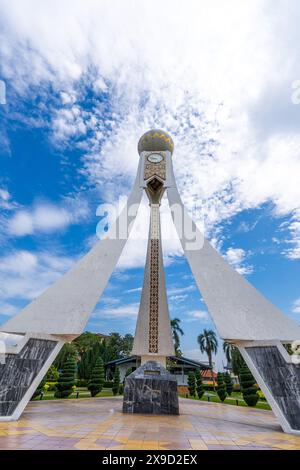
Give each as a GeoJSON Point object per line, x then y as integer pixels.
{"type": "Point", "coordinates": [83, 393]}
{"type": "Point", "coordinates": [232, 400]}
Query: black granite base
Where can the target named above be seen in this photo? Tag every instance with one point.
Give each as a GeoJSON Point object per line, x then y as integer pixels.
{"type": "Point", "coordinates": [19, 371]}
{"type": "Point", "coordinates": [151, 389]}
{"type": "Point", "coordinates": [282, 380]}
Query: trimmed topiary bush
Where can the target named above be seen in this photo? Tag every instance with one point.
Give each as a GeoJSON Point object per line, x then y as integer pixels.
{"type": "Point", "coordinates": [96, 382]}
{"type": "Point", "coordinates": [67, 379]}
{"type": "Point", "coordinates": [199, 384]}
{"type": "Point", "coordinates": [221, 388]}
{"type": "Point", "coordinates": [228, 383]}
{"type": "Point", "coordinates": [39, 389]}
{"type": "Point", "coordinates": [192, 384]}
{"type": "Point", "coordinates": [249, 389]}
{"type": "Point", "coordinates": [116, 382]}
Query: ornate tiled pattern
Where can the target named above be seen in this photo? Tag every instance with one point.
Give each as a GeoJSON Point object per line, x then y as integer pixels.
{"type": "Point", "coordinates": [152, 169]}
{"type": "Point", "coordinates": [154, 279]}
{"type": "Point", "coordinates": [98, 423]}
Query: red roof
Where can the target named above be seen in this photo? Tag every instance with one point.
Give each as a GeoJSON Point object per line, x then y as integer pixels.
{"type": "Point", "coordinates": [206, 374]}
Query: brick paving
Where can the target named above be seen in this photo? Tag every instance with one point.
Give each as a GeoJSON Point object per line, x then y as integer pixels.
{"type": "Point", "coordinates": [98, 423]}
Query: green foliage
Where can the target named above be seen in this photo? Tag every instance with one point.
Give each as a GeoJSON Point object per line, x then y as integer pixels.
{"type": "Point", "coordinates": [51, 386]}
{"type": "Point", "coordinates": [208, 343]}
{"type": "Point", "coordinates": [199, 384]}
{"type": "Point", "coordinates": [191, 384]}
{"type": "Point", "coordinates": [129, 371]}
{"type": "Point", "coordinates": [237, 361]}
{"type": "Point", "coordinates": [66, 381]}
{"type": "Point", "coordinates": [221, 388]}
{"type": "Point", "coordinates": [96, 382]}
{"type": "Point", "coordinates": [39, 389]}
{"type": "Point", "coordinates": [176, 331]}
{"type": "Point", "coordinates": [52, 374]}
{"type": "Point", "coordinates": [68, 349]}
{"type": "Point", "coordinates": [116, 382]}
{"type": "Point", "coordinates": [228, 383]}
{"type": "Point", "coordinates": [249, 389]}
{"type": "Point", "coordinates": [121, 389]}
{"type": "Point", "coordinates": [81, 383]}
{"type": "Point", "coordinates": [108, 384]}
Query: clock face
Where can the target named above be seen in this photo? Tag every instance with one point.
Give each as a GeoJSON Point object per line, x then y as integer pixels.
{"type": "Point", "coordinates": [155, 158]}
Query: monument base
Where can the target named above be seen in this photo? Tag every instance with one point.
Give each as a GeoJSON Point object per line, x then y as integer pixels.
{"type": "Point", "coordinates": [151, 389]}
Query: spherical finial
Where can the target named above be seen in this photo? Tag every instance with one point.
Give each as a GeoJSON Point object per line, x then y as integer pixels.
{"type": "Point", "coordinates": [155, 140]}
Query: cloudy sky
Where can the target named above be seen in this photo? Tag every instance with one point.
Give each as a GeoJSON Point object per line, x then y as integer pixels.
{"type": "Point", "coordinates": [85, 78]}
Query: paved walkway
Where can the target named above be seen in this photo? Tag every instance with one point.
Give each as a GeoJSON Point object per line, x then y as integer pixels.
{"type": "Point", "coordinates": [98, 423]}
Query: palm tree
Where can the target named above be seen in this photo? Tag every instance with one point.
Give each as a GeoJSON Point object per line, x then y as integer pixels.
{"type": "Point", "coordinates": [227, 348]}
{"type": "Point", "coordinates": [176, 331]}
{"type": "Point", "coordinates": [208, 343]}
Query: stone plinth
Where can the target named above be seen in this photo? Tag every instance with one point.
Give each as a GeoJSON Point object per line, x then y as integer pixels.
{"type": "Point", "coordinates": [151, 389]}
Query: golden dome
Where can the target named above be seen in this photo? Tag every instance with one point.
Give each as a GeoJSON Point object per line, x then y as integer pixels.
{"type": "Point", "coordinates": [155, 140]}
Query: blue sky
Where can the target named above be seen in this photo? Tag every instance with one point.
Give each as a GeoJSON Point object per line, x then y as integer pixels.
{"type": "Point", "coordinates": [84, 80]}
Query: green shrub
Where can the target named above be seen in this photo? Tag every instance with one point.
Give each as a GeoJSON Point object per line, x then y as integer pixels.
{"type": "Point", "coordinates": [52, 374]}
{"type": "Point", "coordinates": [249, 388]}
{"type": "Point", "coordinates": [228, 383]}
{"type": "Point", "coordinates": [192, 384]}
{"type": "Point", "coordinates": [66, 381]}
{"type": "Point", "coordinates": [51, 386]}
{"type": "Point", "coordinates": [81, 382]}
{"type": "Point", "coordinates": [96, 382]}
{"type": "Point", "coordinates": [208, 388]}
{"type": "Point", "coordinates": [261, 395]}
{"type": "Point", "coordinates": [116, 382]}
{"type": "Point", "coordinates": [199, 384]}
{"type": "Point", "coordinates": [39, 389]}
{"type": "Point", "coordinates": [108, 384]}
{"type": "Point", "coordinates": [221, 388]}
{"type": "Point", "coordinates": [121, 389]}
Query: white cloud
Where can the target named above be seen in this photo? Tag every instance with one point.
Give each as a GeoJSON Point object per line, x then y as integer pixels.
{"type": "Point", "coordinates": [198, 315]}
{"type": "Point", "coordinates": [24, 275]}
{"type": "Point", "coordinates": [8, 309]}
{"type": "Point", "coordinates": [46, 218]}
{"type": "Point", "coordinates": [178, 298]}
{"type": "Point", "coordinates": [207, 73]}
{"type": "Point", "coordinates": [122, 311]}
{"type": "Point", "coordinates": [180, 290]}
{"type": "Point", "coordinates": [296, 306]}
{"type": "Point", "coordinates": [236, 257]}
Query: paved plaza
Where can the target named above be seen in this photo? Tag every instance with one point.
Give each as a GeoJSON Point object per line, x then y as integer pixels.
{"type": "Point", "coordinates": [98, 423]}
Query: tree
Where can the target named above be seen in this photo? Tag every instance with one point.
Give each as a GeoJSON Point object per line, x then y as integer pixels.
{"type": "Point", "coordinates": [52, 374]}
{"type": "Point", "coordinates": [228, 383]}
{"type": "Point", "coordinates": [192, 384]}
{"type": "Point", "coordinates": [249, 389]}
{"type": "Point", "coordinates": [176, 331]}
{"type": "Point", "coordinates": [87, 341]}
{"type": "Point", "coordinates": [199, 384]}
{"type": "Point", "coordinates": [227, 348]}
{"type": "Point", "coordinates": [97, 378]}
{"type": "Point", "coordinates": [127, 344]}
{"type": "Point", "coordinates": [208, 343]}
{"type": "Point", "coordinates": [68, 349]}
{"type": "Point", "coordinates": [237, 361]}
{"type": "Point", "coordinates": [66, 381]}
{"type": "Point", "coordinates": [221, 389]}
{"type": "Point", "coordinates": [116, 382]}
